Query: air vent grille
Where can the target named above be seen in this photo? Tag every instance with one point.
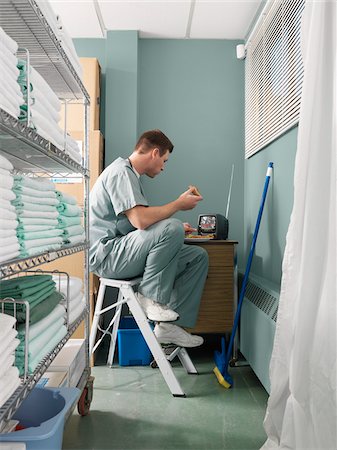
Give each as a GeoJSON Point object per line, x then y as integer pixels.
{"type": "Point", "coordinates": [262, 299]}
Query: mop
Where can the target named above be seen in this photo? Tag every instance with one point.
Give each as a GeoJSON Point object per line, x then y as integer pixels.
{"type": "Point", "coordinates": [222, 358]}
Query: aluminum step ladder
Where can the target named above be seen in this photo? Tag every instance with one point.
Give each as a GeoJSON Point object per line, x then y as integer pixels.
{"type": "Point", "coordinates": [127, 295]}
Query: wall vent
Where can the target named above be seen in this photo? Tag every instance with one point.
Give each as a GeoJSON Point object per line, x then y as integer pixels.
{"type": "Point", "coordinates": [258, 324]}
{"type": "Point", "coordinates": [262, 299]}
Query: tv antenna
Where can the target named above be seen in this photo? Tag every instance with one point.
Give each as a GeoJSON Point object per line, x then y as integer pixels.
{"type": "Point", "coordinates": [229, 192]}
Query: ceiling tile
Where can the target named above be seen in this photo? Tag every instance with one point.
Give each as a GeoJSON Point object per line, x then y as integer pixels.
{"type": "Point", "coordinates": [223, 19]}
{"type": "Point", "coordinates": [79, 17]}
{"type": "Point", "coordinates": [160, 18]}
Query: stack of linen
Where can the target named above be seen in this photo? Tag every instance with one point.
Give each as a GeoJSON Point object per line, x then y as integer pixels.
{"type": "Point", "coordinates": [36, 207]}
{"type": "Point", "coordinates": [11, 97]}
{"type": "Point", "coordinates": [76, 301]}
{"type": "Point", "coordinates": [70, 219]}
{"type": "Point", "coordinates": [44, 111]}
{"type": "Point", "coordinates": [9, 244]}
{"type": "Point", "coordinates": [45, 318]}
{"type": "Point", "coordinates": [9, 375]}
{"type": "Point", "coordinates": [62, 34]}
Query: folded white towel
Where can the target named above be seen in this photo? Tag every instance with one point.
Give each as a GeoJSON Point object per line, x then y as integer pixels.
{"type": "Point", "coordinates": [75, 239]}
{"type": "Point", "coordinates": [6, 181]}
{"type": "Point", "coordinates": [44, 87]}
{"type": "Point", "coordinates": [5, 172]}
{"type": "Point", "coordinates": [9, 351]}
{"type": "Point", "coordinates": [36, 221]}
{"type": "Point", "coordinates": [9, 224]}
{"type": "Point", "coordinates": [49, 103]}
{"type": "Point", "coordinates": [40, 242]}
{"type": "Point", "coordinates": [6, 241]}
{"type": "Point", "coordinates": [7, 233]}
{"type": "Point", "coordinates": [76, 156]}
{"type": "Point", "coordinates": [6, 204]}
{"type": "Point", "coordinates": [7, 339]}
{"type": "Point", "coordinates": [25, 190]}
{"type": "Point", "coordinates": [34, 183]}
{"type": "Point", "coordinates": [7, 194]}
{"type": "Point", "coordinates": [45, 108]}
{"type": "Point", "coordinates": [6, 253]}
{"type": "Point", "coordinates": [33, 228]}
{"type": "Point", "coordinates": [9, 256]}
{"type": "Point", "coordinates": [38, 200]}
{"type": "Point", "coordinates": [8, 41]}
{"type": "Point", "coordinates": [10, 94]}
{"type": "Point", "coordinates": [5, 164]}
{"type": "Point", "coordinates": [75, 285]}
{"type": "Point", "coordinates": [6, 213]}
{"type": "Point", "coordinates": [8, 384]}
{"type": "Point", "coordinates": [43, 214]}
{"type": "Point", "coordinates": [12, 110]}
{"type": "Point", "coordinates": [6, 365]}
{"type": "Point", "coordinates": [7, 322]}
{"type": "Point", "coordinates": [75, 312]}
{"type": "Point", "coordinates": [8, 56]}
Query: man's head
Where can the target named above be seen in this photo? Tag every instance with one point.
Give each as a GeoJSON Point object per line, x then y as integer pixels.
{"type": "Point", "coordinates": [154, 139]}
{"type": "Point", "coordinates": [151, 152]}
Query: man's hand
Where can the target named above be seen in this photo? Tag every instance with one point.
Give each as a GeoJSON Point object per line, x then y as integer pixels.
{"type": "Point", "coordinates": [188, 200]}
{"type": "Point", "coordinates": [188, 228]}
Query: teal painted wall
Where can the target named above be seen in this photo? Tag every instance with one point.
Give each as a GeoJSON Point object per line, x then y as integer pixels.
{"type": "Point", "coordinates": [267, 261]}
{"type": "Point", "coordinates": [193, 91]}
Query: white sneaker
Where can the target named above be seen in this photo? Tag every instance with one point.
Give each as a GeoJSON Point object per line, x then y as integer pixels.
{"type": "Point", "coordinates": [168, 333]}
{"type": "Point", "coordinates": [156, 311]}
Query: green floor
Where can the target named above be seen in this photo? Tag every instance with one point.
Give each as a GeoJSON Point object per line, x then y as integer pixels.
{"type": "Point", "coordinates": [132, 408]}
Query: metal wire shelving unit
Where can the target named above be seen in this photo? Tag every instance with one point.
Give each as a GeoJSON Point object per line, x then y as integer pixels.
{"type": "Point", "coordinates": [31, 154]}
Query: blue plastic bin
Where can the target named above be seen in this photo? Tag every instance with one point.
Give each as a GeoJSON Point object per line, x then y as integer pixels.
{"type": "Point", "coordinates": [43, 413]}
{"type": "Point", "coordinates": [132, 348]}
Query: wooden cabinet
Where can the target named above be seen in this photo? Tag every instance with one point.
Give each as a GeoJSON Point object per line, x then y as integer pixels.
{"type": "Point", "coordinates": [220, 292]}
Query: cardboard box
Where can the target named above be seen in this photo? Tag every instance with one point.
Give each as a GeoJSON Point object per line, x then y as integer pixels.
{"type": "Point", "coordinates": [53, 379]}
{"type": "Point", "coordinates": [71, 359]}
{"type": "Point", "coordinates": [74, 114]}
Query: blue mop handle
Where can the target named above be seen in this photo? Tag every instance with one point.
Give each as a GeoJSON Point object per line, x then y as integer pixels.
{"type": "Point", "coordinates": [249, 262]}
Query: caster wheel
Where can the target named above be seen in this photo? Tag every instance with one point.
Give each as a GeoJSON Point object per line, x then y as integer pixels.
{"type": "Point", "coordinates": [232, 362]}
{"type": "Point", "coordinates": [153, 364]}
{"type": "Point", "coordinates": [84, 402]}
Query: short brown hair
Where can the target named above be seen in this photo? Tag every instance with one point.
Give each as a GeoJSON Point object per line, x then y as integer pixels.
{"type": "Point", "coordinates": [154, 139]}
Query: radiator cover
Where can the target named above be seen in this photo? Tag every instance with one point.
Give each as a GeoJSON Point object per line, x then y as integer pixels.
{"type": "Point", "coordinates": [257, 326]}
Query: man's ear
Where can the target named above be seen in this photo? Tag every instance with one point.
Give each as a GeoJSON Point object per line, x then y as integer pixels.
{"type": "Point", "coordinates": [155, 152]}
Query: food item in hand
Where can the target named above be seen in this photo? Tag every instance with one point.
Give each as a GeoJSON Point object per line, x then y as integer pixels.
{"type": "Point", "coordinates": [194, 190]}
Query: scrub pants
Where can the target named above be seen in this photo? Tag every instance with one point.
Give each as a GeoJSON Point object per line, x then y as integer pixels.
{"type": "Point", "coordinates": [172, 273]}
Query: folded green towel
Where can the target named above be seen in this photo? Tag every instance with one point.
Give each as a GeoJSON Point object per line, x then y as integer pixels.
{"type": "Point", "coordinates": [69, 210]}
{"type": "Point", "coordinates": [33, 300]}
{"type": "Point", "coordinates": [65, 221]}
{"type": "Point", "coordinates": [42, 310]}
{"type": "Point", "coordinates": [29, 292]}
{"type": "Point", "coordinates": [26, 281]}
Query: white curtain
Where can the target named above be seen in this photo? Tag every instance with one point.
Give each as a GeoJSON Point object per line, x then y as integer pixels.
{"type": "Point", "coordinates": [301, 412]}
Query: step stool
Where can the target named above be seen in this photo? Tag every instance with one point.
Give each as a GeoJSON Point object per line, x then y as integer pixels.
{"type": "Point", "coordinates": [127, 295]}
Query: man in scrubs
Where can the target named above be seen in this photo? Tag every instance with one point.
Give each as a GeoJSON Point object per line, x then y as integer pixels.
{"type": "Point", "coordinates": [129, 238]}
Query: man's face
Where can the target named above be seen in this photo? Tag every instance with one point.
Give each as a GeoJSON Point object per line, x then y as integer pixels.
{"type": "Point", "coordinates": [157, 163]}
